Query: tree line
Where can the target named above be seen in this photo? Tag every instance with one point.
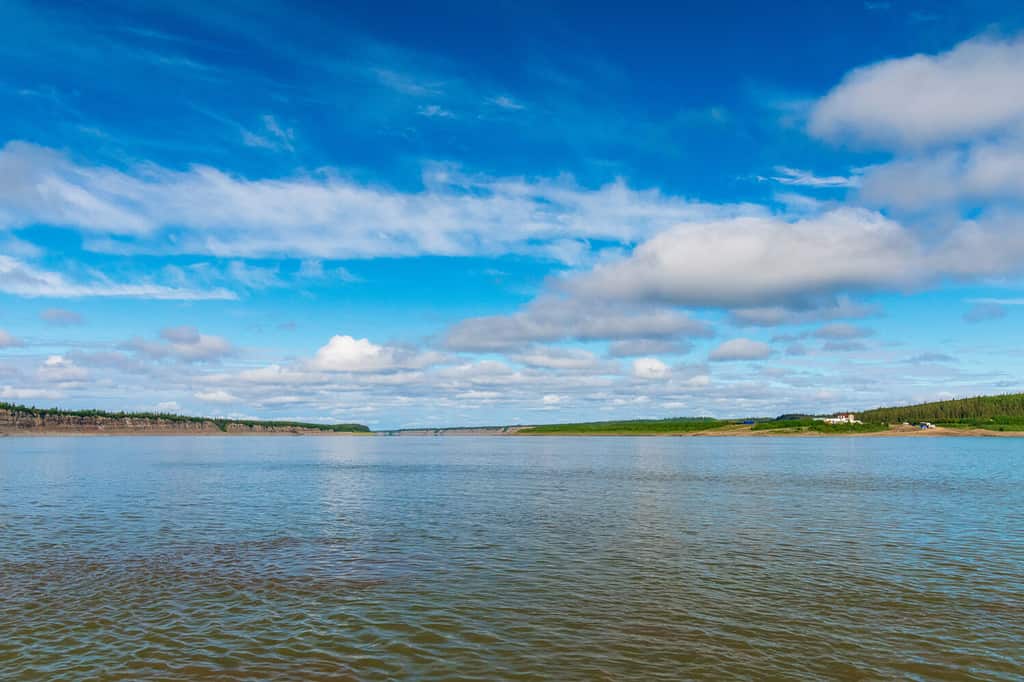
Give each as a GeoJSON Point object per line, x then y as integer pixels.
{"type": "Point", "coordinates": [222, 424]}
{"type": "Point", "coordinates": [993, 408]}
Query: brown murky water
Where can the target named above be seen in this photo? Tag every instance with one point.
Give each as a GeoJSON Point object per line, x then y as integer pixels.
{"type": "Point", "coordinates": [511, 558]}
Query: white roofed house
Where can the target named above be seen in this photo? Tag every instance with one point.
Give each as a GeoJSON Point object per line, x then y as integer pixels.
{"type": "Point", "coordinates": [849, 418]}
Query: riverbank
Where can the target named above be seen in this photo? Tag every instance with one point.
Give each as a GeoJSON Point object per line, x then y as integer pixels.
{"type": "Point", "coordinates": [734, 431]}
{"type": "Point", "coordinates": [21, 420]}
{"type": "Point", "coordinates": [51, 433]}
{"type": "Point", "coordinates": [730, 430]}
{"type": "Point", "coordinates": [894, 430]}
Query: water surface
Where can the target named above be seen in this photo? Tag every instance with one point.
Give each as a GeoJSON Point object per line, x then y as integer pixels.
{"type": "Point", "coordinates": [511, 558]}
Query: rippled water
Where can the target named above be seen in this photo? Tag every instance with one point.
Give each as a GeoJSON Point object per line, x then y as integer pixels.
{"type": "Point", "coordinates": [511, 558]}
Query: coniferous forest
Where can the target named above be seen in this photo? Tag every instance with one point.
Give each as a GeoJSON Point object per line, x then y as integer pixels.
{"type": "Point", "coordinates": [977, 411]}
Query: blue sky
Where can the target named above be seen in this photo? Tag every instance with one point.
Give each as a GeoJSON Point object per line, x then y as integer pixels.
{"type": "Point", "coordinates": [511, 212]}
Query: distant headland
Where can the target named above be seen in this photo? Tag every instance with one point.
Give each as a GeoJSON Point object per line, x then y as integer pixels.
{"type": "Point", "coordinates": [23, 420]}
{"type": "Point", "coordinates": [999, 415]}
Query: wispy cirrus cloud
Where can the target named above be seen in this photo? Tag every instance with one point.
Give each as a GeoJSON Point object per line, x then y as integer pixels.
{"type": "Point", "coordinates": [207, 211]}
{"type": "Point", "coordinates": [802, 178]}
{"type": "Point", "coordinates": [272, 135]}
{"type": "Point", "coordinates": [506, 102]}
{"type": "Point", "coordinates": [23, 279]}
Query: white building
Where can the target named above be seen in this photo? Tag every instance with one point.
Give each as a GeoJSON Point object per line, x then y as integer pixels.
{"type": "Point", "coordinates": [850, 418]}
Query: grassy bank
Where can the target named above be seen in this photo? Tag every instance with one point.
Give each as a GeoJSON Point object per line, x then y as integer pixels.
{"type": "Point", "coordinates": [813, 425]}
{"type": "Point", "coordinates": [999, 424]}
{"type": "Point", "coordinates": [631, 427]}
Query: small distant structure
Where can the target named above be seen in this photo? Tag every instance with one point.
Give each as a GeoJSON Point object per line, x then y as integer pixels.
{"type": "Point", "coordinates": [850, 418]}
{"type": "Point", "coordinates": [926, 425]}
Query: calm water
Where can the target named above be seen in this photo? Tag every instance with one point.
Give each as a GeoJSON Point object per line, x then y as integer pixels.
{"type": "Point", "coordinates": [509, 558]}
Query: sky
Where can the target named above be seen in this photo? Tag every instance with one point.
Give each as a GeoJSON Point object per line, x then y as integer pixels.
{"type": "Point", "coordinates": [435, 214]}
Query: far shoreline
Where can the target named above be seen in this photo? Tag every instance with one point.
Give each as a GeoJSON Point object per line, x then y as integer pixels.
{"type": "Point", "coordinates": [84, 433]}
{"type": "Point", "coordinates": [738, 431]}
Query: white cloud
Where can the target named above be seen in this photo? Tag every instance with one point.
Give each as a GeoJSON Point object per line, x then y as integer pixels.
{"type": "Point", "coordinates": [999, 301]}
{"type": "Point", "coordinates": [434, 111]}
{"type": "Point", "coordinates": [802, 178]}
{"type": "Point", "coordinates": [796, 203]}
{"type": "Point", "coordinates": [21, 279]}
{"type": "Point", "coordinates": [753, 261]}
{"type": "Point", "coordinates": [740, 349]}
{"type": "Point", "coordinates": [796, 349]}
{"type": "Point", "coordinates": [59, 369]}
{"type": "Point", "coordinates": [7, 340]}
{"type": "Point", "coordinates": [489, 391]}
{"type": "Point", "coordinates": [203, 210]}
{"type": "Point", "coordinates": [61, 317]}
{"type": "Point", "coordinates": [842, 331]}
{"type": "Point", "coordinates": [13, 393]}
{"type": "Point", "coordinates": [842, 346]}
{"type": "Point", "coordinates": [982, 172]}
{"type": "Point", "coordinates": [633, 347]}
{"type": "Point", "coordinates": [552, 318]}
{"type": "Point", "coordinates": [253, 276]}
{"type": "Point", "coordinates": [348, 354]}
{"type": "Point", "coordinates": [404, 83]}
{"type": "Point", "coordinates": [216, 396]}
{"type": "Point", "coordinates": [650, 368]}
{"type": "Point", "coordinates": [345, 275]}
{"type": "Point", "coordinates": [956, 122]}
{"type": "Point", "coordinates": [958, 95]}
{"type": "Point", "coordinates": [311, 268]}
{"type": "Point", "coordinates": [273, 136]}
{"type": "Point", "coordinates": [991, 245]}
{"type": "Point", "coordinates": [506, 102]}
{"type": "Point", "coordinates": [557, 358]}
{"type": "Point", "coordinates": [183, 343]}
{"type": "Point", "coordinates": [983, 312]}
{"type": "Point", "coordinates": [795, 268]}
{"type": "Point", "coordinates": [183, 335]}
{"type": "Point", "coordinates": [829, 308]}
